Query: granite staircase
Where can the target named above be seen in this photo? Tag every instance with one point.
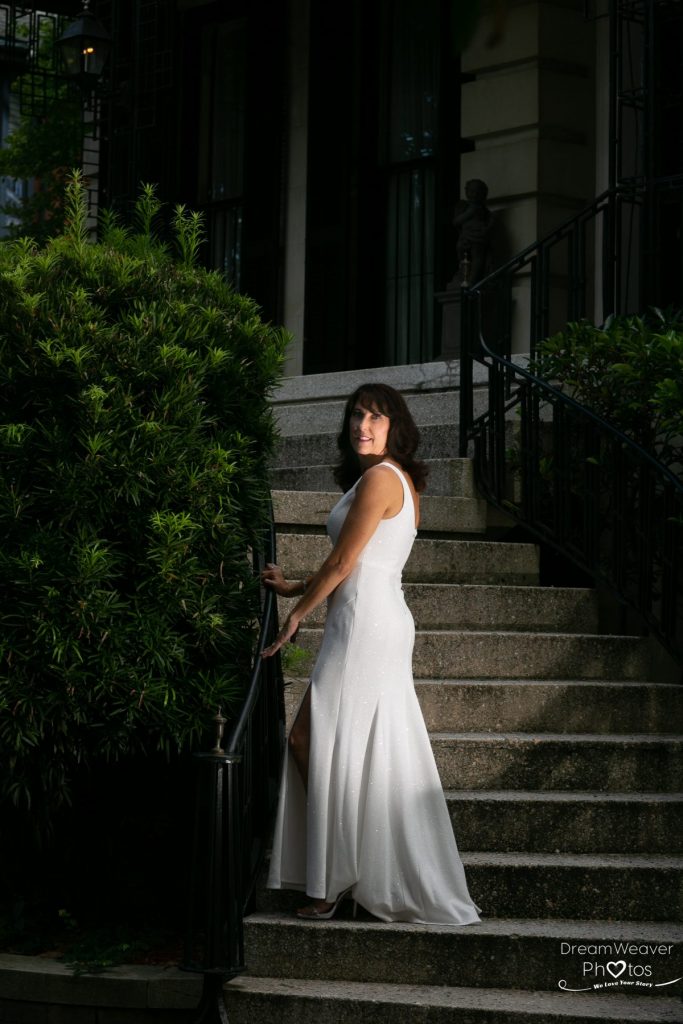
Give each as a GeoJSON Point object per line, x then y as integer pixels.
{"type": "Point", "coordinates": [559, 754]}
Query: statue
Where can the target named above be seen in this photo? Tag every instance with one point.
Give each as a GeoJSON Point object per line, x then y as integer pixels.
{"type": "Point", "coordinates": [473, 221]}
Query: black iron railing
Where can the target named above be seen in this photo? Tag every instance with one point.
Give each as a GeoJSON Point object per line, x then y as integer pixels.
{"type": "Point", "coordinates": [236, 797]}
{"type": "Point", "coordinates": [579, 270]}
{"type": "Point", "coordinates": [569, 477]}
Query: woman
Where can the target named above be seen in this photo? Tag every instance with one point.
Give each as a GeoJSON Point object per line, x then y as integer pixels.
{"type": "Point", "coordinates": [368, 818]}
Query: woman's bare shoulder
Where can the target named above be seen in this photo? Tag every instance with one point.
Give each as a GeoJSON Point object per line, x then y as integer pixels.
{"type": "Point", "coordinates": [380, 476]}
{"type": "Point", "coordinates": [380, 486]}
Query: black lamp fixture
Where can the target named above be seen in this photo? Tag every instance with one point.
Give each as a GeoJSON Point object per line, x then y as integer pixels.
{"type": "Point", "coordinates": [85, 46]}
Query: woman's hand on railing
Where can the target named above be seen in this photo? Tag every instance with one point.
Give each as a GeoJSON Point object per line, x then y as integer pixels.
{"type": "Point", "coordinates": [273, 578]}
{"type": "Point", "coordinates": [288, 632]}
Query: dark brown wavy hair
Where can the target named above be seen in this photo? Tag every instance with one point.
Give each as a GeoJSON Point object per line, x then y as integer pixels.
{"type": "Point", "coordinates": [402, 442]}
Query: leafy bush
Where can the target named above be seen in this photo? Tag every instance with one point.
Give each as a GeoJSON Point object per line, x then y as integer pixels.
{"type": "Point", "coordinates": [40, 148]}
{"type": "Point", "coordinates": [630, 372]}
{"type": "Point", "coordinates": [134, 434]}
{"type": "Point", "coordinates": [40, 152]}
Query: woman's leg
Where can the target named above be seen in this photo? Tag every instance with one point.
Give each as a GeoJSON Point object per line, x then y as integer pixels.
{"type": "Point", "coordinates": [300, 737]}
{"type": "Point", "coordinates": [299, 744]}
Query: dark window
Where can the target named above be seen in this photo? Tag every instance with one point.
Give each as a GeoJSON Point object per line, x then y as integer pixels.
{"type": "Point", "coordinates": [383, 177]}
{"type": "Point", "coordinates": [221, 153]}
{"type": "Point", "coordinates": [409, 137]}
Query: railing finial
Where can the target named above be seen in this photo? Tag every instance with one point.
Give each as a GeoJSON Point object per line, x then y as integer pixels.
{"type": "Point", "coordinates": [220, 727]}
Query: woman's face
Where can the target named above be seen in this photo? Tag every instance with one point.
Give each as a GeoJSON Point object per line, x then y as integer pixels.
{"type": "Point", "coordinates": [368, 431]}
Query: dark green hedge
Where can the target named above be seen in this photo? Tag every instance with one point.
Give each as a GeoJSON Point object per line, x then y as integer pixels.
{"type": "Point", "coordinates": [134, 436]}
{"type": "Point", "coordinates": [630, 372]}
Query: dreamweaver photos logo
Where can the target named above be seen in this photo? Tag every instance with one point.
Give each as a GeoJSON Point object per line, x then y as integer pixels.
{"type": "Point", "coordinates": [609, 965]}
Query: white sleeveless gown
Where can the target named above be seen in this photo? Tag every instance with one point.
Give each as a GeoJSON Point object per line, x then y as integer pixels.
{"type": "Point", "coordinates": [376, 817]}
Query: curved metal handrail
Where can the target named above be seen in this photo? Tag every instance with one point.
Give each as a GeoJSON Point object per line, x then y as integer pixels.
{"type": "Point", "coordinates": [602, 424]}
{"type": "Point", "coordinates": [574, 468]}
{"type": "Point", "coordinates": [602, 500]}
{"type": "Point", "coordinates": [237, 789]}
{"type": "Point", "coordinates": [267, 630]}
{"type": "Point", "coordinates": [521, 258]}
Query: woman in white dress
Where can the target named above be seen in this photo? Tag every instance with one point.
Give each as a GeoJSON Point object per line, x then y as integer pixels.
{"type": "Point", "coordinates": [362, 810]}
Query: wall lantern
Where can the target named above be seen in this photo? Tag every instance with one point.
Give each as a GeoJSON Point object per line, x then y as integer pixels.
{"type": "Point", "coordinates": [85, 46]}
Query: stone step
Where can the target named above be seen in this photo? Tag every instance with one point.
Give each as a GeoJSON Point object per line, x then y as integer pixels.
{"type": "Point", "coordinates": [438, 513]}
{"type": "Point", "coordinates": [430, 561]}
{"type": "Point", "coordinates": [636, 763]}
{"type": "Point", "coordinates": [249, 1000]}
{"type": "Point", "coordinates": [540, 705]}
{"type": "Point", "coordinates": [433, 408]}
{"type": "Point", "coordinates": [450, 477]}
{"type": "Point", "coordinates": [554, 609]}
{"type": "Point", "coordinates": [632, 887]}
{"type": "Point", "coordinates": [575, 822]}
{"type": "Point", "coordinates": [562, 706]}
{"type": "Point", "coordinates": [410, 378]}
{"type": "Point", "coordinates": [453, 654]}
{"type": "Point", "coordinates": [437, 441]}
{"type": "Point", "coordinates": [517, 953]}
{"type": "Point", "coordinates": [628, 888]}
{"type": "Point", "coordinates": [567, 885]}
{"type": "Point", "coordinates": [476, 607]}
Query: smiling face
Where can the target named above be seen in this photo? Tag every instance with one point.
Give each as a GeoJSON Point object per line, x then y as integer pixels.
{"type": "Point", "coordinates": [368, 432]}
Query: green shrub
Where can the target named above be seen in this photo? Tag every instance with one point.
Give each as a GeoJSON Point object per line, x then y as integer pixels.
{"type": "Point", "coordinates": [134, 436]}
{"type": "Point", "coordinates": [44, 141]}
{"type": "Point", "coordinates": [630, 372]}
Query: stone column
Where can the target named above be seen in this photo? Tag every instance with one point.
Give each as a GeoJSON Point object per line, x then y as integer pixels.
{"type": "Point", "coordinates": [295, 235]}
{"type": "Point", "coordinates": [530, 111]}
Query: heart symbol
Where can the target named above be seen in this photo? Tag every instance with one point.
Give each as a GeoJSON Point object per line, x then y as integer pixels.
{"type": "Point", "coordinates": [616, 967]}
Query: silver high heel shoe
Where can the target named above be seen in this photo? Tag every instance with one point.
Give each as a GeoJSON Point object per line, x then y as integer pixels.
{"type": "Point", "coordinates": [309, 913]}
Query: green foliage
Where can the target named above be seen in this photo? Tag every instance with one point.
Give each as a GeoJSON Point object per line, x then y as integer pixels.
{"type": "Point", "coordinates": [134, 435]}
{"type": "Point", "coordinates": [41, 150]}
{"type": "Point", "coordinates": [296, 661]}
{"type": "Point", "coordinates": [630, 372]}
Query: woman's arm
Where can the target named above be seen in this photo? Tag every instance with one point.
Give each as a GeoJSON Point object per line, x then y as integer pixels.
{"type": "Point", "coordinates": [273, 577]}
{"type": "Point", "coordinates": [376, 495]}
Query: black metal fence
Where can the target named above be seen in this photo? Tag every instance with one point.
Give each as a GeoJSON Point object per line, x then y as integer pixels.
{"type": "Point", "coordinates": [236, 796]}
{"type": "Point", "coordinates": [571, 478]}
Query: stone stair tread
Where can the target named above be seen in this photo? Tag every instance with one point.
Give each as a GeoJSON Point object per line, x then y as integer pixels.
{"type": "Point", "coordinates": [329, 498]}
{"type": "Point", "coordinates": [498, 951]}
{"type": "Point", "coordinates": [517, 634]}
{"type": "Point", "coordinates": [408, 378]}
{"type": "Point", "coordinates": [436, 408]}
{"type": "Point", "coordinates": [567, 929]}
{"type": "Point", "coordinates": [563, 1005]}
{"type": "Point", "coordinates": [513, 588]}
{"type": "Point", "coordinates": [578, 860]}
{"type": "Point", "coordinates": [439, 513]}
{"type": "Point", "coordinates": [501, 546]}
{"type": "Point", "coordinates": [488, 654]}
{"type": "Point", "coordinates": [558, 683]}
{"type": "Point", "coordinates": [504, 606]}
{"type": "Point", "coordinates": [432, 559]}
{"type": "Point", "coordinates": [318, 446]}
{"type": "Point", "coordinates": [545, 634]}
{"type": "Point", "coordinates": [447, 477]}
{"type": "Point", "coordinates": [559, 796]}
{"type": "Point", "coordinates": [632, 739]}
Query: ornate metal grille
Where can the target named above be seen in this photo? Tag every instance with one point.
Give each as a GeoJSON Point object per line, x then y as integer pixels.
{"type": "Point", "coordinates": [28, 52]}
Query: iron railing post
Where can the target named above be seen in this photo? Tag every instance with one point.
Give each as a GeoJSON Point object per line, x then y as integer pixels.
{"type": "Point", "coordinates": [236, 797]}
{"type": "Point", "coordinates": [217, 937]}
{"type": "Point", "coordinates": [467, 343]}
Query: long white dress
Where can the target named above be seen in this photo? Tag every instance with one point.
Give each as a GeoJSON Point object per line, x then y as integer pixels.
{"type": "Point", "coordinates": [376, 817]}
